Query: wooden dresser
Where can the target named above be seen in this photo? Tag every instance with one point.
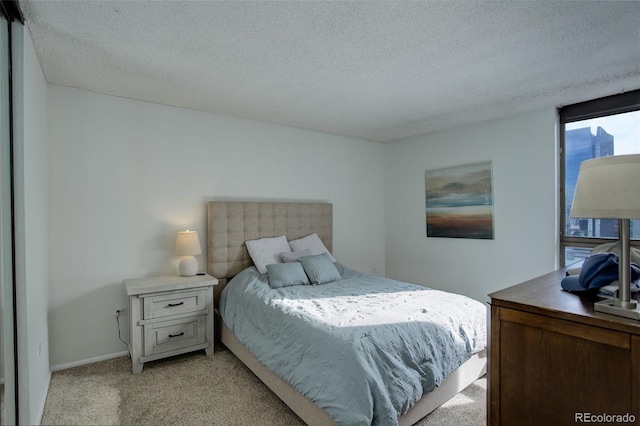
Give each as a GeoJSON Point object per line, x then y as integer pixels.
{"type": "Point", "coordinates": [553, 361]}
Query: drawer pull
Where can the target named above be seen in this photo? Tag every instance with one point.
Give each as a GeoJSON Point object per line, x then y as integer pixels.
{"type": "Point", "coordinates": [177, 335]}
{"type": "Point", "coordinates": [171, 305]}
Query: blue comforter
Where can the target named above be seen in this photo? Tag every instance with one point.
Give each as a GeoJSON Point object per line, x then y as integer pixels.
{"type": "Point", "coordinates": [363, 348]}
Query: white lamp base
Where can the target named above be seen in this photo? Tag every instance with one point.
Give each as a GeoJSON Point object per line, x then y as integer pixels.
{"type": "Point", "coordinates": [188, 266]}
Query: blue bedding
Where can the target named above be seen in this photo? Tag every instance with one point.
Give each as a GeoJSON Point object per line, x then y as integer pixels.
{"type": "Point", "coordinates": [363, 348]}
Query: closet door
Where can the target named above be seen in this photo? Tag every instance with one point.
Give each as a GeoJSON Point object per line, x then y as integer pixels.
{"type": "Point", "coordinates": [7, 322]}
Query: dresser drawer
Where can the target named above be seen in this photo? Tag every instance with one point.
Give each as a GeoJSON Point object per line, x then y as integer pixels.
{"type": "Point", "coordinates": [174, 303]}
{"type": "Point", "coordinates": [175, 334]}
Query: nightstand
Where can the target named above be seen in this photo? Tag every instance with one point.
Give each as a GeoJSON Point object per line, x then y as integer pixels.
{"type": "Point", "coordinates": [169, 316]}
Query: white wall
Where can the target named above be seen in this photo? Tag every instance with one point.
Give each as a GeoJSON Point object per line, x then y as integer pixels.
{"type": "Point", "coordinates": [127, 175]}
{"type": "Point", "coordinates": [524, 154]}
{"type": "Point", "coordinates": [31, 219]}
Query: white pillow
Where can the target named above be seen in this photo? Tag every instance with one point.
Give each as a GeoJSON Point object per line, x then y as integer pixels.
{"type": "Point", "coordinates": [266, 251]}
{"type": "Point", "coordinates": [311, 242]}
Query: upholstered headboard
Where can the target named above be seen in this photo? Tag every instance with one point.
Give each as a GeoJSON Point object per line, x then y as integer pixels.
{"type": "Point", "coordinates": [231, 223]}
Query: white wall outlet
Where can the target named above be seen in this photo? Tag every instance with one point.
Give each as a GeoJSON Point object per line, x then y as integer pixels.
{"type": "Point", "coordinates": [122, 311]}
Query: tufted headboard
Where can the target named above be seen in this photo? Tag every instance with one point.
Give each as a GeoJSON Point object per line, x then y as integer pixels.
{"type": "Point", "coordinates": [231, 223]}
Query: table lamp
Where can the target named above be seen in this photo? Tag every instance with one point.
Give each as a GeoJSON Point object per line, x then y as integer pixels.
{"type": "Point", "coordinates": [188, 245]}
{"type": "Point", "coordinates": [609, 188]}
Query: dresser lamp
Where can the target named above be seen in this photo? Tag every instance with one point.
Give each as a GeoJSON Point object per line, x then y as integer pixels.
{"type": "Point", "coordinates": [188, 245]}
{"type": "Point", "coordinates": [609, 188]}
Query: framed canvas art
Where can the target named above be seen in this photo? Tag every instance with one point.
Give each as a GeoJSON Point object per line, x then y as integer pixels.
{"type": "Point", "coordinates": [459, 201]}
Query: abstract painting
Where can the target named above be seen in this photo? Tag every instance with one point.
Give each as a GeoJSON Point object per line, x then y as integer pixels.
{"type": "Point", "coordinates": [459, 201]}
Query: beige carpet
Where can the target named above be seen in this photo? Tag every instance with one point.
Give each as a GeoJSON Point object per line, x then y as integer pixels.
{"type": "Point", "coordinates": [194, 389]}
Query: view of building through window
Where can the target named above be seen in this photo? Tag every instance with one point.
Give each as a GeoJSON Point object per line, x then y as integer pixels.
{"type": "Point", "coordinates": [599, 137]}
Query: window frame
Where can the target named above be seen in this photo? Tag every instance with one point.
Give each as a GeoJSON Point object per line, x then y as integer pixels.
{"type": "Point", "coordinates": [610, 105]}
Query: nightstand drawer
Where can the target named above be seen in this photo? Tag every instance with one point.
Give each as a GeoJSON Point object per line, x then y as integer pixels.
{"type": "Point", "coordinates": [175, 303]}
{"type": "Point", "coordinates": [170, 335]}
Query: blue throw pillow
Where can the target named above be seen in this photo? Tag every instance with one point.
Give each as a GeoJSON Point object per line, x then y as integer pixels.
{"type": "Point", "coordinates": [286, 274]}
{"type": "Point", "coordinates": [320, 268]}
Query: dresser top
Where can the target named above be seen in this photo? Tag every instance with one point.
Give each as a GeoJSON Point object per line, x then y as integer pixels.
{"type": "Point", "coordinates": [543, 295]}
{"type": "Point", "coordinates": [167, 283]}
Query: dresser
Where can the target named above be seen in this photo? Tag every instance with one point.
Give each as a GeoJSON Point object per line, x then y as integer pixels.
{"type": "Point", "coordinates": [168, 316]}
{"type": "Point", "coordinates": [554, 361]}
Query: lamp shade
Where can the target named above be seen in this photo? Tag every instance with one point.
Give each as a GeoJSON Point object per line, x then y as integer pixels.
{"type": "Point", "coordinates": [187, 243]}
{"type": "Point", "coordinates": [608, 188]}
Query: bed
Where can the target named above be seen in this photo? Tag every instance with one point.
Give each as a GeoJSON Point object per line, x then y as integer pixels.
{"type": "Point", "coordinates": [230, 225]}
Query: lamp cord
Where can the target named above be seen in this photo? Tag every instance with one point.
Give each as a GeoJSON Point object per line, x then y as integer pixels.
{"type": "Point", "coordinates": [118, 323]}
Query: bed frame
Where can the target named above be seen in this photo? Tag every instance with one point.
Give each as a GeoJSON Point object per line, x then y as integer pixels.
{"type": "Point", "coordinates": [229, 225]}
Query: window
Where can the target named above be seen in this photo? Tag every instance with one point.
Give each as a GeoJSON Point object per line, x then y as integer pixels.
{"type": "Point", "coordinates": [598, 128]}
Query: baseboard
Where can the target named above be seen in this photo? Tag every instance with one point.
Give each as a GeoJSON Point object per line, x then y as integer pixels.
{"type": "Point", "coordinates": [64, 366]}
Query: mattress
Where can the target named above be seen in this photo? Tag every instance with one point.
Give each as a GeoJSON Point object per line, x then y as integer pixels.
{"type": "Point", "coordinates": [363, 348]}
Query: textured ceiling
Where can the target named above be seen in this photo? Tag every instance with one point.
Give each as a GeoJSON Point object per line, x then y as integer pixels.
{"type": "Point", "coordinates": [381, 71]}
